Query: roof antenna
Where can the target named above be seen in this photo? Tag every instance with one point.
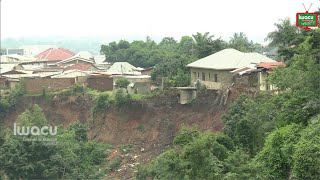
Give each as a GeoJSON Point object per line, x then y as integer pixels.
{"type": "Point", "coordinates": [305, 7]}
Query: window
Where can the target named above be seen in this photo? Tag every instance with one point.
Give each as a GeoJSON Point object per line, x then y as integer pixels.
{"type": "Point", "coordinates": [194, 74]}
{"type": "Point", "coordinates": [215, 77]}
{"type": "Point", "coordinates": [209, 75]}
{"type": "Point", "coordinates": [203, 76]}
{"type": "Point", "coordinates": [198, 75]}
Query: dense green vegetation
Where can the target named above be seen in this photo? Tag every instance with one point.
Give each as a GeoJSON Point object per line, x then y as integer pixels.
{"type": "Point", "coordinates": [170, 57]}
{"type": "Point", "coordinates": [67, 155]}
{"type": "Point", "coordinates": [272, 135]}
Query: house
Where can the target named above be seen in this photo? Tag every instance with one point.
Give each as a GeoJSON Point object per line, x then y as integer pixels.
{"type": "Point", "coordinates": [71, 74]}
{"type": "Point", "coordinates": [147, 71]}
{"type": "Point", "coordinates": [138, 83]}
{"type": "Point", "coordinates": [48, 69]}
{"type": "Point", "coordinates": [101, 63]}
{"type": "Point", "coordinates": [16, 58]}
{"type": "Point", "coordinates": [100, 59]}
{"type": "Point", "coordinates": [5, 68]}
{"type": "Point", "coordinates": [255, 75]}
{"type": "Point", "coordinates": [144, 71]}
{"type": "Point", "coordinates": [100, 82]}
{"type": "Point", "coordinates": [54, 55]}
{"type": "Point", "coordinates": [83, 57]}
{"type": "Point", "coordinates": [266, 70]}
{"type": "Point", "coordinates": [82, 67]}
{"type": "Point", "coordinates": [121, 68]}
{"type": "Point", "coordinates": [214, 71]}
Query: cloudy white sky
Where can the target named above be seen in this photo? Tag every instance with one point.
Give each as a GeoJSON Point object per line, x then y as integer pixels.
{"type": "Point", "coordinates": [125, 19]}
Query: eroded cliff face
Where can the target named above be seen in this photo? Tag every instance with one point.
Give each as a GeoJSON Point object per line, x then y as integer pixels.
{"type": "Point", "coordinates": [148, 126]}
{"type": "Point", "coordinates": [154, 119]}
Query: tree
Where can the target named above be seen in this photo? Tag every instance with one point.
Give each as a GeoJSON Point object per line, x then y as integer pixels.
{"type": "Point", "coordinates": [187, 45]}
{"type": "Point", "coordinates": [122, 99]}
{"type": "Point", "coordinates": [180, 80]}
{"type": "Point", "coordinates": [73, 157]}
{"type": "Point", "coordinates": [122, 83]}
{"type": "Point", "coordinates": [202, 155]}
{"type": "Point", "coordinates": [284, 35]}
{"type": "Point", "coordinates": [205, 45]}
{"type": "Point", "coordinates": [240, 42]}
{"type": "Point", "coordinates": [306, 157]}
{"type": "Point", "coordinates": [276, 155]}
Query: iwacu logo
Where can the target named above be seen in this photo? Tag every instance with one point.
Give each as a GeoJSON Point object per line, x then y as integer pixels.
{"type": "Point", "coordinates": [34, 130]}
{"type": "Point", "coordinates": [306, 17]}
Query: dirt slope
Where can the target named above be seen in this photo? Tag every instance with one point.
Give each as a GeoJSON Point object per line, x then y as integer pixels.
{"type": "Point", "coordinates": [148, 126]}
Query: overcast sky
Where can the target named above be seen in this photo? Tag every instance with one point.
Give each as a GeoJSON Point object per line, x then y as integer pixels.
{"type": "Point", "coordinates": [127, 19]}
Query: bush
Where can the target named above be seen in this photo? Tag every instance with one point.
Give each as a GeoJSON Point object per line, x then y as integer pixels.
{"type": "Point", "coordinates": [307, 155]}
{"type": "Point", "coordinates": [114, 164]}
{"type": "Point", "coordinates": [122, 83]}
{"type": "Point", "coordinates": [276, 156]}
{"type": "Point", "coordinates": [122, 99]}
{"type": "Point", "coordinates": [75, 89]}
{"type": "Point", "coordinates": [100, 103]}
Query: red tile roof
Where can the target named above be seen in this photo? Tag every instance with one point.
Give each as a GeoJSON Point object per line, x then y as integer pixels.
{"type": "Point", "coordinates": [82, 67]}
{"type": "Point", "coordinates": [55, 54]}
{"type": "Point", "coordinates": [270, 65]}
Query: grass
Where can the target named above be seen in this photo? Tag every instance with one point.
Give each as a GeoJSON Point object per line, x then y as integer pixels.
{"type": "Point", "coordinates": [141, 128]}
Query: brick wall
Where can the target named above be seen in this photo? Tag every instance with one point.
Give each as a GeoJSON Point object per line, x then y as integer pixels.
{"type": "Point", "coordinates": [55, 84]}
{"type": "Point", "coordinates": [100, 83]}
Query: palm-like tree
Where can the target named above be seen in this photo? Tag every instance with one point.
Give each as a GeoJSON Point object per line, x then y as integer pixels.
{"type": "Point", "coordinates": [284, 35]}
{"type": "Point", "coordinates": [240, 42]}
{"type": "Point", "coordinates": [205, 45]}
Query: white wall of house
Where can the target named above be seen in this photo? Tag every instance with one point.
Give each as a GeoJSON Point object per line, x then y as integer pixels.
{"type": "Point", "coordinates": [212, 79]}
{"type": "Point", "coordinates": [264, 85]}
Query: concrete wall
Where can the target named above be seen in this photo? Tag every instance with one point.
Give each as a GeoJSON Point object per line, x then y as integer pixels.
{"type": "Point", "coordinates": [207, 77]}
{"type": "Point", "coordinates": [251, 80]}
{"type": "Point", "coordinates": [262, 81]}
{"type": "Point", "coordinates": [187, 95]}
{"type": "Point", "coordinates": [140, 88]}
{"type": "Point", "coordinates": [212, 85]}
{"type": "Point", "coordinates": [263, 84]}
{"type": "Point", "coordinates": [39, 84]}
{"type": "Point", "coordinates": [132, 80]}
{"type": "Point", "coordinates": [100, 83]}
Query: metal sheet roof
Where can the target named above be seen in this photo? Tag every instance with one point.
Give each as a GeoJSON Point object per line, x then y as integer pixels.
{"type": "Point", "coordinates": [121, 68]}
{"type": "Point", "coordinates": [6, 68]}
{"type": "Point", "coordinates": [229, 59]}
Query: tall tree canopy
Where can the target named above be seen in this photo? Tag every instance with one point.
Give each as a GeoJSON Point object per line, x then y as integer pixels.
{"type": "Point", "coordinates": [240, 42]}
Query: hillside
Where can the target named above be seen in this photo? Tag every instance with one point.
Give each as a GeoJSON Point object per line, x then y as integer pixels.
{"type": "Point", "coordinates": [147, 127]}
